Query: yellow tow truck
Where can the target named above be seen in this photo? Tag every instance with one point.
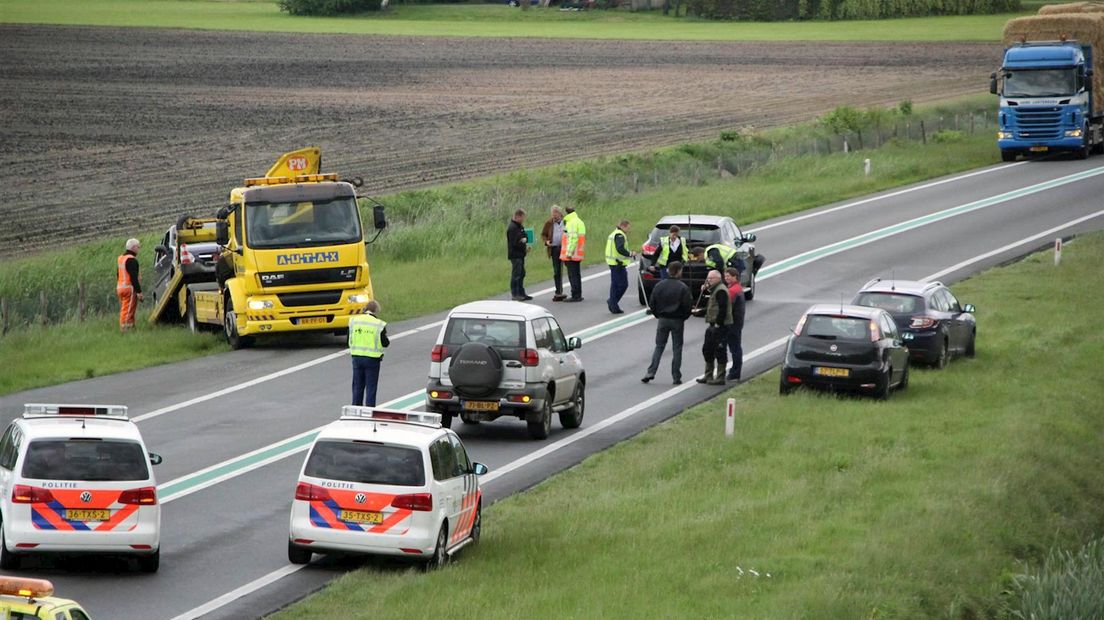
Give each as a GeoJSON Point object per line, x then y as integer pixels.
{"type": "Point", "coordinates": [289, 255]}
{"type": "Point", "coordinates": [23, 598]}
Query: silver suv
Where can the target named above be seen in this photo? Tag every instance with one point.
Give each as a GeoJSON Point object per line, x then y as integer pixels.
{"type": "Point", "coordinates": [505, 358]}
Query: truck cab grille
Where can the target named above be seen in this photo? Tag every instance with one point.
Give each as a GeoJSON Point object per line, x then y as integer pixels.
{"type": "Point", "coordinates": [1038, 123]}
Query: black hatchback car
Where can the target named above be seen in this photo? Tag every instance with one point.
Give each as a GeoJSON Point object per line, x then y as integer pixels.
{"type": "Point", "coordinates": [846, 348]}
{"type": "Point", "coordinates": [941, 327]}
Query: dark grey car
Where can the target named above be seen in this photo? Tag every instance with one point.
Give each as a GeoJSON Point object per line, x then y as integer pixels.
{"type": "Point", "coordinates": [196, 260]}
{"type": "Point", "coordinates": [940, 326]}
{"type": "Point", "coordinates": [699, 231]}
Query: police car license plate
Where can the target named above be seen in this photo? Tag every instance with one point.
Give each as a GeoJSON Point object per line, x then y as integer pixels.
{"type": "Point", "coordinates": [357, 516]}
{"type": "Point", "coordinates": [480, 405]}
{"type": "Point", "coordinates": [87, 515]}
{"type": "Point", "coordinates": [832, 372]}
{"type": "Point", "coordinates": [1039, 149]}
{"type": "Point", "coordinates": [312, 320]}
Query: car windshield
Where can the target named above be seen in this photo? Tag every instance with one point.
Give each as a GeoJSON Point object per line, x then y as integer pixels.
{"type": "Point", "coordinates": [894, 303]}
{"type": "Point", "coordinates": [694, 235]}
{"type": "Point", "coordinates": [302, 224]}
{"type": "Point", "coordinates": [366, 463]}
{"type": "Point", "coordinates": [85, 459]}
{"type": "Point", "coordinates": [1040, 83]}
{"type": "Point", "coordinates": [836, 327]}
{"type": "Point", "coordinates": [492, 332]}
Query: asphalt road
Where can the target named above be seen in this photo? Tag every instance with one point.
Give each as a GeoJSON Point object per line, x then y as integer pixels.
{"type": "Point", "coordinates": [232, 428]}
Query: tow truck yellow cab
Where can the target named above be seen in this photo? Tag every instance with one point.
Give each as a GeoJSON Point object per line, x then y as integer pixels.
{"type": "Point", "coordinates": [22, 597]}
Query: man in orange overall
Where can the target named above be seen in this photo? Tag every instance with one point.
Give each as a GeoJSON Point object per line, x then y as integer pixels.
{"type": "Point", "coordinates": [127, 286]}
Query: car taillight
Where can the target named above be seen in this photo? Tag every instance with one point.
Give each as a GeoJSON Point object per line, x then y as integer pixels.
{"type": "Point", "coordinates": [529, 357]}
{"type": "Point", "coordinates": [186, 257]}
{"type": "Point", "coordinates": [647, 275]}
{"type": "Point", "coordinates": [26, 494]}
{"type": "Point", "coordinates": [439, 353]}
{"type": "Point", "coordinates": [422, 502]}
{"type": "Point", "coordinates": [311, 492]}
{"type": "Point", "coordinates": [875, 332]}
{"type": "Point", "coordinates": [440, 394]}
{"type": "Point", "coordinates": [800, 325]}
{"type": "Point", "coordinates": [649, 248]}
{"type": "Point", "coordinates": [145, 496]}
{"type": "Point", "coordinates": [923, 322]}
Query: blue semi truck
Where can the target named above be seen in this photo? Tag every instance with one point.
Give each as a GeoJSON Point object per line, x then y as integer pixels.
{"type": "Point", "coordinates": [1047, 103]}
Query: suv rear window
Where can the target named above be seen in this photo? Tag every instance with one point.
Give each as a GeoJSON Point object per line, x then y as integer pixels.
{"type": "Point", "coordinates": [366, 463]}
{"type": "Point", "coordinates": [894, 303]}
{"type": "Point", "coordinates": [85, 459]}
{"type": "Point", "coordinates": [836, 327]}
{"type": "Point", "coordinates": [491, 332]}
{"type": "Point", "coordinates": [694, 235]}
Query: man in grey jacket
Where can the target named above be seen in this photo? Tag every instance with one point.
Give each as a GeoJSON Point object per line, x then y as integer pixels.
{"type": "Point", "coordinates": [671, 303]}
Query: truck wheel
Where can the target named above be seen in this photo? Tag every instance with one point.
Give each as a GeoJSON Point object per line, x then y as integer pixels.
{"type": "Point", "coordinates": [573, 417]}
{"type": "Point", "coordinates": [190, 313]}
{"type": "Point", "coordinates": [1007, 155]}
{"type": "Point", "coordinates": [230, 326]}
{"type": "Point", "coordinates": [297, 554]}
{"type": "Point", "coordinates": [541, 425]}
{"type": "Point", "coordinates": [150, 563]}
{"type": "Point", "coordinates": [1084, 151]}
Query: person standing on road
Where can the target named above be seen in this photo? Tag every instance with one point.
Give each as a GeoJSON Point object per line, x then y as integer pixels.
{"type": "Point", "coordinates": [367, 340]}
{"type": "Point", "coordinates": [736, 329]}
{"type": "Point", "coordinates": [552, 236]}
{"type": "Point", "coordinates": [671, 249]}
{"type": "Point", "coordinates": [127, 284]}
{"type": "Point", "coordinates": [671, 302]}
{"type": "Point", "coordinates": [517, 246]}
{"type": "Point", "coordinates": [618, 257]}
{"type": "Point", "coordinates": [717, 318]}
{"type": "Point", "coordinates": [572, 250]}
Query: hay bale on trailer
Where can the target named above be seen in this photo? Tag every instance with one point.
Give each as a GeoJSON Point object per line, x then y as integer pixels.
{"type": "Point", "coordinates": [1085, 28]}
{"type": "Point", "coordinates": [1072, 7]}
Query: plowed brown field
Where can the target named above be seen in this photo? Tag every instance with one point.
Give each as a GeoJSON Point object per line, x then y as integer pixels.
{"type": "Point", "coordinates": [114, 131]}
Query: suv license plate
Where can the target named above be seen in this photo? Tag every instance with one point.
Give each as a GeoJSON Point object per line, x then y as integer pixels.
{"type": "Point", "coordinates": [313, 320]}
{"type": "Point", "coordinates": [357, 516]}
{"type": "Point", "coordinates": [832, 372]}
{"type": "Point", "coordinates": [72, 514]}
{"type": "Point", "coordinates": [480, 405]}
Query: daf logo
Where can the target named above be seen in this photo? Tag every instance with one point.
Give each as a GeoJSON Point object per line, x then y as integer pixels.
{"type": "Point", "coordinates": [86, 497]}
{"type": "Point", "coordinates": [359, 498]}
{"type": "Point", "coordinates": [833, 348]}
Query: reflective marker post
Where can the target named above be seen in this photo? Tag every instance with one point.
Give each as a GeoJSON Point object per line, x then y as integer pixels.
{"type": "Point", "coordinates": [730, 417]}
{"type": "Point", "coordinates": [1057, 251]}
{"type": "Point", "coordinates": [866, 167]}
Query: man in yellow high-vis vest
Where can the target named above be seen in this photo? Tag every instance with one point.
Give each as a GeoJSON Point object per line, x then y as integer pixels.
{"type": "Point", "coordinates": [618, 257]}
{"type": "Point", "coordinates": [572, 251]}
{"type": "Point", "coordinates": [367, 340]}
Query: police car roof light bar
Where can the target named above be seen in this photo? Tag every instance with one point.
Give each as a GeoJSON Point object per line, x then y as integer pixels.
{"type": "Point", "coordinates": [374, 414]}
{"type": "Point", "coordinates": [37, 410]}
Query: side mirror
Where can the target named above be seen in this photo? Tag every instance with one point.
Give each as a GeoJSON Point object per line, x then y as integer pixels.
{"type": "Point", "coordinates": [160, 249]}
{"type": "Point", "coordinates": [969, 308]}
{"type": "Point", "coordinates": [222, 233]}
{"type": "Point", "coordinates": [223, 212]}
{"type": "Point", "coordinates": [748, 238]}
{"type": "Point", "coordinates": [992, 83]}
{"type": "Point", "coordinates": [379, 221]}
{"type": "Point", "coordinates": [1088, 82]}
{"type": "Point", "coordinates": [479, 469]}
{"type": "Point", "coordinates": [155, 459]}
{"type": "Point", "coordinates": [573, 343]}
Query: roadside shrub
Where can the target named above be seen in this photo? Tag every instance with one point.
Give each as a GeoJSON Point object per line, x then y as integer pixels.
{"type": "Point", "coordinates": [1069, 585]}
{"type": "Point", "coordinates": [945, 136]}
{"type": "Point", "coordinates": [328, 7]}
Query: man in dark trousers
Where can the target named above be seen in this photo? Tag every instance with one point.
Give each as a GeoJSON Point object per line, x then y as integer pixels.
{"type": "Point", "coordinates": [552, 236]}
{"type": "Point", "coordinates": [735, 331]}
{"type": "Point", "coordinates": [618, 258]}
{"type": "Point", "coordinates": [717, 318]}
{"type": "Point", "coordinates": [367, 340]}
{"type": "Point", "coordinates": [671, 302]}
{"type": "Point", "coordinates": [127, 286]}
{"type": "Point", "coordinates": [517, 246]}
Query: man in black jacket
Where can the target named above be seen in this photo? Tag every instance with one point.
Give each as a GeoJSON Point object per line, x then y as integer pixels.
{"type": "Point", "coordinates": [517, 247]}
{"type": "Point", "coordinates": [671, 303]}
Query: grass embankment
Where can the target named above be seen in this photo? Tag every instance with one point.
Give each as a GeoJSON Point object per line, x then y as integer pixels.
{"type": "Point", "coordinates": [922, 506]}
{"type": "Point", "coordinates": [465, 223]}
{"type": "Point", "coordinates": [489, 20]}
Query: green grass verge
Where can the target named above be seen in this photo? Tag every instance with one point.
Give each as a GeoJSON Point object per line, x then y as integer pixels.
{"type": "Point", "coordinates": [489, 20]}
{"type": "Point", "coordinates": [411, 280]}
{"type": "Point", "coordinates": [72, 351]}
{"type": "Point", "coordinates": [914, 508]}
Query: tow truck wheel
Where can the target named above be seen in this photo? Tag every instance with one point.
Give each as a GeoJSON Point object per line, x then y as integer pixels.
{"type": "Point", "coordinates": [150, 563]}
{"type": "Point", "coordinates": [1007, 155]}
{"type": "Point", "coordinates": [8, 560]}
{"type": "Point", "coordinates": [230, 326]}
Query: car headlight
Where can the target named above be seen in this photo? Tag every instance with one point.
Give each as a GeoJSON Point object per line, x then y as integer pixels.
{"type": "Point", "coordinates": [1073, 133]}
{"type": "Point", "coordinates": [359, 298]}
{"type": "Point", "coordinates": [1004, 135]}
{"type": "Point", "coordinates": [259, 304]}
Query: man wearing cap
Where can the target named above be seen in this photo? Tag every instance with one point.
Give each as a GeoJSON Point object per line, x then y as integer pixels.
{"type": "Point", "coordinates": [127, 285]}
{"type": "Point", "coordinates": [367, 340]}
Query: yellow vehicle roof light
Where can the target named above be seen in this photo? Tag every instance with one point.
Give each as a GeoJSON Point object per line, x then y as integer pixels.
{"type": "Point", "coordinates": [316, 178]}
{"type": "Point", "coordinates": [267, 181]}
{"type": "Point", "coordinates": [25, 586]}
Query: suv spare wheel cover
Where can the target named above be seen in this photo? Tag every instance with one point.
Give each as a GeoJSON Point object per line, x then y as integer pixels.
{"type": "Point", "coordinates": [476, 369]}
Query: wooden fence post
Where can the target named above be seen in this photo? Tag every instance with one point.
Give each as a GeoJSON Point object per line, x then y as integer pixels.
{"type": "Point", "coordinates": [43, 307]}
{"type": "Point", "coordinates": [80, 301]}
{"type": "Point", "coordinates": [655, 177]}
{"type": "Point", "coordinates": [3, 316]}
{"type": "Point", "coordinates": [720, 166]}
{"type": "Point", "coordinates": [923, 133]}
{"type": "Point", "coordinates": [972, 116]}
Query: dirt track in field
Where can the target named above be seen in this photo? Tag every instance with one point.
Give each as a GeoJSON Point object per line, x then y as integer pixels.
{"type": "Point", "coordinates": [115, 131]}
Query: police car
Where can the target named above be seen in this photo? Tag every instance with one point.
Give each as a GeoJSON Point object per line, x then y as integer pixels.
{"type": "Point", "coordinates": [77, 479]}
{"type": "Point", "coordinates": [386, 482]}
{"type": "Point", "coordinates": [22, 598]}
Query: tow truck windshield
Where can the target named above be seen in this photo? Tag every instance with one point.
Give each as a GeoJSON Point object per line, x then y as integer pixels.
{"type": "Point", "coordinates": [302, 224]}
{"type": "Point", "coordinates": [1040, 83]}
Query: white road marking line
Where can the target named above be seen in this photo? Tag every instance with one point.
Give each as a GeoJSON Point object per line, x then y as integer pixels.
{"type": "Point", "coordinates": [1024, 241]}
{"type": "Point", "coordinates": [237, 593]}
{"type": "Point", "coordinates": [883, 197]}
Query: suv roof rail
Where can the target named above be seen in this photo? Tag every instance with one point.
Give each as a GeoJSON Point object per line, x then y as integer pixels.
{"type": "Point", "coordinates": [871, 283]}
{"type": "Point", "coordinates": [41, 410]}
{"type": "Point", "coordinates": [375, 414]}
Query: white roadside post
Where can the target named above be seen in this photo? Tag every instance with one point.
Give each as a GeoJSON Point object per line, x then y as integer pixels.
{"type": "Point", "coordinates": [866, 166]}
{"type": "Point", "coordinates": [730, 417]}
{"type": "Point", "coordinates": [1057, 251]}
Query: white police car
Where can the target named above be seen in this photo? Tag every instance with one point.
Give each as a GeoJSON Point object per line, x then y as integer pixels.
{"type": "Point", "coordinates": [386, 482]}
{"type": "Point", "coordinates": [77, 479]}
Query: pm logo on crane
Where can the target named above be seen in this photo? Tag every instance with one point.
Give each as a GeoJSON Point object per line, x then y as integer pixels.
{"type": "Point", "coordinates": [308, 258]}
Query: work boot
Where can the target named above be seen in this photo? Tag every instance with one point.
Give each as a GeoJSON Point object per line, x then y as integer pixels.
{"type": "Point", "coordinates": [708, 374]}
{"type": "Point", "coordinates": [717, 379]}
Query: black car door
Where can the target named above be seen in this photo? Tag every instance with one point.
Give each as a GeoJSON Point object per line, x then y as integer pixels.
{"type": "Point", "coordinates": [957, 329]}
{"type": "Point", "coordinates": [898, 354]}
